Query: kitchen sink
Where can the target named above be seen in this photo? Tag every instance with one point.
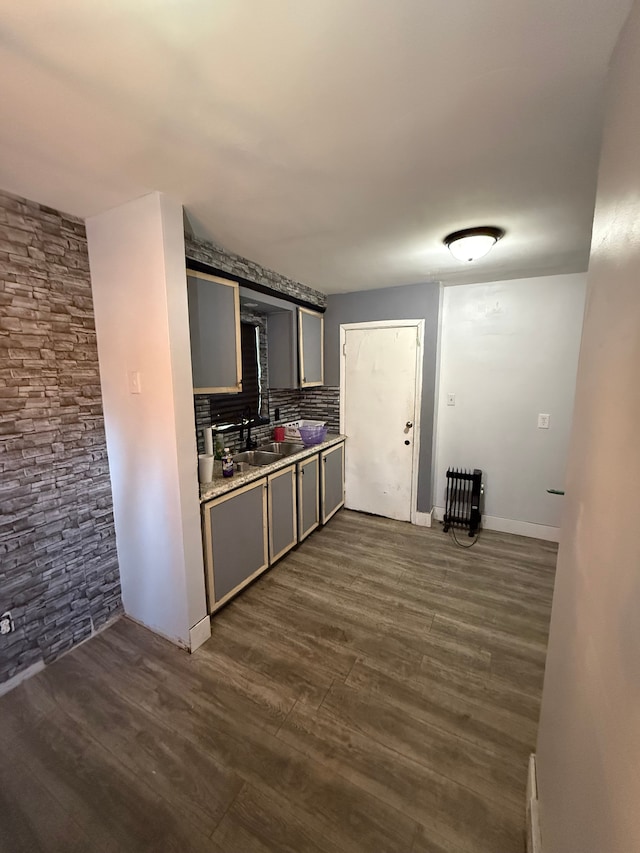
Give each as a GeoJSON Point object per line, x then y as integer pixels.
{"type": "Point", "coordinates": [283, 448]}
{"type": "Point", "coordinates": [242, 467]}
{"type": "Point", "coordinates": [257, 458]}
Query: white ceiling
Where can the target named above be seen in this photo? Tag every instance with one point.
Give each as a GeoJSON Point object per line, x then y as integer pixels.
{"type": "Point", "coordinates": [336, 141]}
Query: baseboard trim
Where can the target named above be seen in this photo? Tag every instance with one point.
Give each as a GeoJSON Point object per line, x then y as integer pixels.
{"type": "Point", "coordinates": [21, 676]}
{"type": "Point", "coordinates": [177, 641]}
{"type": "Point", "coordinates": [39, 665]}
{"type": "Point", "coordinates": [534, 839]}
{"type": "Point", "coordinates": [511, 525]}
{"type": "Point", "coordinates": [422, 519]}
{"type": "Point", "coordinates": [200, 633]}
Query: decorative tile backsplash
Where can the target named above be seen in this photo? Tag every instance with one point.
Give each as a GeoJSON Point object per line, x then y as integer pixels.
{"type": "Point", "coordinates": [322, 404]}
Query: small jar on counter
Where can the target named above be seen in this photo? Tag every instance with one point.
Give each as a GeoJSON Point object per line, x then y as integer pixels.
{"type": "Point", "coordinates": [227, 463]}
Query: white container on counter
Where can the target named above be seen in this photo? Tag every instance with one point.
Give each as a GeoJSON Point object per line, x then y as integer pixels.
{"type": "Point", "coordinates": [205, 467]}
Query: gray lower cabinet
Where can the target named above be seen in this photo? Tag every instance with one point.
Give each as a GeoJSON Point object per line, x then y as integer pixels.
{"type": "Point", "coordinates": [332, 480]}
{"type": "Point", "coordinates": [308, 496]}
{"type": "Point", "coordinates": [235, 541]}
{"type": "Point", "coordinates": [248, 529]}
{"type": "Point", "coordinates": [214, 328]}
{"type": "Point", "coordinates": [283, 534]}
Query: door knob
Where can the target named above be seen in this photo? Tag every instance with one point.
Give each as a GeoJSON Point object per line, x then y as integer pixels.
{"type": "Point", "coordinates": [409, 424]}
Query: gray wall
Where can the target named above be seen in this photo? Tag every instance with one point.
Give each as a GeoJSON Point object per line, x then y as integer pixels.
{"type": "Point", "coordinates": [589, 736]}
{"type": "Point", "coordinates": [413, 302]}
{"type": "Point", "coordinates": [58, 565]}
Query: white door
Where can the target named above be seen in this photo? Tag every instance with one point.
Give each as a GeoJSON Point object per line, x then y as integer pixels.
{"type": "Point", "coordinates": [380, 408]}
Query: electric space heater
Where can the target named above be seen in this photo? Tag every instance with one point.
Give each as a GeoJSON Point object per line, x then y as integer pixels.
{"type": "Point", "coordinates": [464, 489]}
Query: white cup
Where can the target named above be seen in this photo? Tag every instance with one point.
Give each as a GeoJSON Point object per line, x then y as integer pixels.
{"type": "Point", "coordinates": [205, 467]}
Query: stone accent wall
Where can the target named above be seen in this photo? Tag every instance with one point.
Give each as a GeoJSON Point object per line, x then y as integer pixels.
{"type": "Point", "coordinates": [58, 564]}
{"type": "Point", "coordinates": [207, 253]}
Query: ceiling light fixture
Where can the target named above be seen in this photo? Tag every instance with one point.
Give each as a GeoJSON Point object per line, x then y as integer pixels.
{"type": "Point", "coordinates": [473, 243]}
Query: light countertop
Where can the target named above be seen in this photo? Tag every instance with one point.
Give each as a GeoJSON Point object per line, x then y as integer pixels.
{"type": "Point", "coordinates": [221, 485]}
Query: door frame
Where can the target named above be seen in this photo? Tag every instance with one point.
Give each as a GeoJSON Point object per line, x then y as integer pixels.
{"type": "Point", "coordinates": [387, 324]}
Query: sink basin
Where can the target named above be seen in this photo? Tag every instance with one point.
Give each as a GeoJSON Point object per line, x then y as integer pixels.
{"type": "Point", "coordinates": [242, 467]}
{"type": "Point", "coordinates": [257, 457]}
{"type": "Point", "coordinates": [282, 448]}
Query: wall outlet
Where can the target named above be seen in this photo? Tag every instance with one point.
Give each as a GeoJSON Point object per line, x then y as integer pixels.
{"type": "Point", "coordinates": [6, 623]}
{"type": "Point", "coordinates": [544, 421]}
{"type": "Point", "coordinates": [451, 399]}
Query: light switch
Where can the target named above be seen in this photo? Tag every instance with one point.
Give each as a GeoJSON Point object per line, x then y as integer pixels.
{"type": "Point", "coordinates": [451, 399]}
{"type": "Point", "coordinates": [543, 421]}
{"type": "Point", "coordinates": [135, 384]}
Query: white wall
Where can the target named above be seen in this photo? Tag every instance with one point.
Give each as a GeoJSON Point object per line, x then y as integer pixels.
{"type": "Point", "coordinates": [137, 260]}
{"type": "Point", "coordinates": [509, 351]}
{"type": "Point", "coordinates": [589, 736]}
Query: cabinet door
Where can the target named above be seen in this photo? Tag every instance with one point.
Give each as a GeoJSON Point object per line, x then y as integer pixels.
{"type": "Point", "coordinates": [282, 512]}
{"type": "Point", "coordinates": [235, 534]}
{"type": "Point", "coordinates": [311, 347]}
{"type": "Point", "coordinates": [332, 480]}
{"type": "Point", "coordinates": [282, 349]}
{"type": "Point", "coordinates": [214, 327]}
{"type": "Point", "coordinates": [308, 497]}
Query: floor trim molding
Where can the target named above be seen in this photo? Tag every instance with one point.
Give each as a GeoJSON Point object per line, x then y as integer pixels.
{"type": "Point", "coordinates": [423, 519]}
{"type": "Point", "coordinates": [512, 525]}
{"type": "Point", "coordinates": [200, 633]}
{"type": "Point", "coordinates": [534, 840]}
{"type": "Point", "coordinates": [21, 676]}
{"type": "Point", "coordinates": [39, 665]}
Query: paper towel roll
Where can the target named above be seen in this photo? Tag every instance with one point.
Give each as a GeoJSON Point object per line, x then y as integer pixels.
{"type": "Point", "coordinates": [208, 441]}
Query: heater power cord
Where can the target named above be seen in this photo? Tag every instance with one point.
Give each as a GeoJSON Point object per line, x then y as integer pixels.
{"type": "Point", "coordinates": [457, 541]}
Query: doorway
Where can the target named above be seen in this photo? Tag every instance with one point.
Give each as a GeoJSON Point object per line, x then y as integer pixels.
{"type": "Point", "coordinates": [380, 396]}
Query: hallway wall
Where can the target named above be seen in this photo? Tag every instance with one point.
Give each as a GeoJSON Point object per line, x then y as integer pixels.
{"type": "Point", "coordinates": [509, 351]}
{"type": "Point", "coordinates": [589, 737]}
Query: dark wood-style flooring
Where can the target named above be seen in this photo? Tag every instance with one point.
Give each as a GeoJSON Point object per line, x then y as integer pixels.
{"type": "Point", "coordinates": [378, 690]}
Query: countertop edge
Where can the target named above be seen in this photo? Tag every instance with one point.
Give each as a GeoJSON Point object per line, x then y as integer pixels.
{"type": "Point", "coordinates": [219, 487]}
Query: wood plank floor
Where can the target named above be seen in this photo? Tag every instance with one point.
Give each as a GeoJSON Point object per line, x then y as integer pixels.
{"type": "Point", "coordinates": [378, 690]}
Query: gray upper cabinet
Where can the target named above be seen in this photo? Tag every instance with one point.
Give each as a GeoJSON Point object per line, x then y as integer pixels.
{"type": "Point", "coordinates": [282, 512]}
{"type": "Point", "coordinates": [214, 326]}
{"type": "Point", "coordinates": [236, 542]}
{"type": "Point", "coordinates": [282, 348]}
{"type": "Point", "coordinates": [332, 473]}
{"type": "Point", "coordinates": [311, 347]}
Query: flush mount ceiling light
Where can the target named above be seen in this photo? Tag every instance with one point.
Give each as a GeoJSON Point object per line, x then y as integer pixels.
{"type": "Point", "coordinates": [473, 243]}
